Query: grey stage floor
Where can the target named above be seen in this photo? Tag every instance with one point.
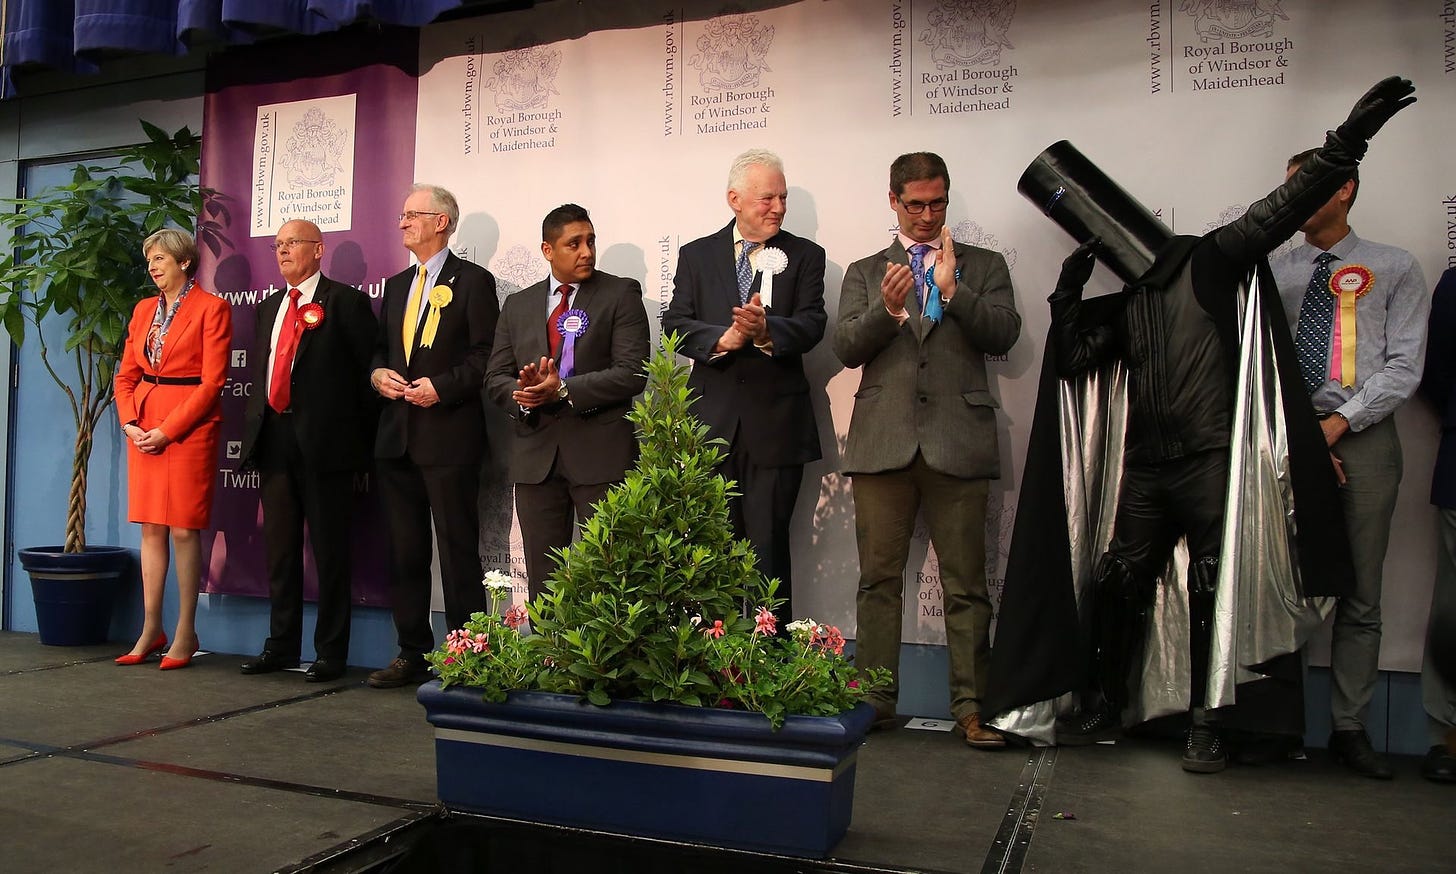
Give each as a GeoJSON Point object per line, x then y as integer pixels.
{"type": "Point", "coordinates": [132, 769]}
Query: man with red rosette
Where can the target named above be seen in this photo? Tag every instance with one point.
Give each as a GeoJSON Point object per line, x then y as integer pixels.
{"type": "Point", "coordinates": [309, 429]}
{"type": "Point", "coordinates": [1359, 310]}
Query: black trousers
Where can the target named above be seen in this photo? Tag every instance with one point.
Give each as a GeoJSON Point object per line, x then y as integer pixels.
{"type": "Point", "coordinates": [763, 514]}
{"type": "Point", "coordinates": [413, 497]}
{"type": "Point", "coordinates": [294, 494]}
{"type": "Point", "coordinates": [549, 512]}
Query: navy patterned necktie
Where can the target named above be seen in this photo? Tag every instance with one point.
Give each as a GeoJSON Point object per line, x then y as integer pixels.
{"type": "Point", "coordinates": [917, 270]}
{"type": "Point", "coordinates": [745, 272]}
{"type": "Point", "coordinates": [1316, 323]}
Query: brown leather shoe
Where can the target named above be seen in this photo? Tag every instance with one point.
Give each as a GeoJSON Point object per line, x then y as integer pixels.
{"type": "Point", "coordinates": [970, 728]}
{"type": "Point", "coordinates": [401, 672]}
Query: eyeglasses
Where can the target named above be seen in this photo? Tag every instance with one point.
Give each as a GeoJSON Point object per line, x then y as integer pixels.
{"type": "Point", "coordinates": [410, 215]}
{"type": "Point", "coordinates": [282, 245]}
{"type": "Point", "coordinates": [916, 207]}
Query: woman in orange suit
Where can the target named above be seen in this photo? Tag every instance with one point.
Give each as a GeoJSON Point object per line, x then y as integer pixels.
{"type": "Point", "coordinates": [168, 394]}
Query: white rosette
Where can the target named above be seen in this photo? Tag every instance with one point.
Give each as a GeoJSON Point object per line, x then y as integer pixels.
{"type": "Point", "coordinates": [771, 262]}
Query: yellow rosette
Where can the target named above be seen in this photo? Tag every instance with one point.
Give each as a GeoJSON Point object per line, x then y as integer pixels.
{"type": "Point", "coordinates": [440, 297]}
{"type": "Point", "coordinates": [1349, 284]}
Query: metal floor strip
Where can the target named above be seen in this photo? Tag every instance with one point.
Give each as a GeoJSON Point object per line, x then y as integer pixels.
{"type": "Point", "coordinates": [1013, 840]}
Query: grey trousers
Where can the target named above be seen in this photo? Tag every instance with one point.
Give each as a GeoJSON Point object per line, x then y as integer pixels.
{"type": "Point", "coordinates": [1372, 463]}
{"type": "Point", "coordinates": [885, 505]}
{"type": "Point", "coordinates": [1438, 694]}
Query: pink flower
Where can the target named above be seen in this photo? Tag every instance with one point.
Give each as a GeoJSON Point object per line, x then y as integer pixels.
{"type": "Point", "coordinates": [457, 641]}
{"type": "Point", "coordinates": [449, 660]}
{"type": "Point", "coordinates": [828, 638]}
{"type": "Point", "coordinates": [765, 622]}
{"type": "Point", "coordinates": [852, 684]}
{"type": "Point", "coordinates": [717, 630]}
{"type": "Point", "coordinates": [480, 643]}
{"type": "Point", "coordinates": [515, 617]}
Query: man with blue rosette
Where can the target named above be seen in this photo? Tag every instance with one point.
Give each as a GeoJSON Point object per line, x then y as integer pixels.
{"type": "Point", "coordinates": [749, 304]}
{"type": "Point", "coordinates": [567, 361]}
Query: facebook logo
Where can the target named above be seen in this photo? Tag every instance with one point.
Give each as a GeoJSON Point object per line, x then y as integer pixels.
{"type": "Point", "coordinates": [240, 358]}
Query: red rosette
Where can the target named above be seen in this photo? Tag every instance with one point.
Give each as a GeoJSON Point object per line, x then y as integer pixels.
{"type": "Point", "coordinates": [311, 315]}
{"type": "Point", "coordinates": [1355, 279]}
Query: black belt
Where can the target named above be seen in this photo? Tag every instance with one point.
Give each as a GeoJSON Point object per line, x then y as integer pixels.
{"type": "Point", "coordinates": [171, 380]}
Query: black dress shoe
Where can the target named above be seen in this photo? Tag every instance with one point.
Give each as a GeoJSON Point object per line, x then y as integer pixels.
{"type": "Point", "coordinates": [885, 717]}
{"type": "Point", "coordinates": [1203, 751]}
{"type": "Point", "coordinates": [324, 670]}
{"type": "Point", "coordinates": [1439, 765]}
{"type": "Point", "coordinates": [1352, 748]}
{"type": "Point", "coordinates": [401, 672]}
{"type": "Point", "coordinates": [267, 662]}
{"type": "Point", "coordinates": [1089, 727]}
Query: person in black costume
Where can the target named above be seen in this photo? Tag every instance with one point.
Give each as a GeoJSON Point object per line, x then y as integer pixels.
{"type": "Point", "coordinates": [1175, 329]}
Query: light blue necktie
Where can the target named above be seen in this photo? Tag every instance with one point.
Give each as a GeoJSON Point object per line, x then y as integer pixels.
{"type": "Point", "coordinates": [931, 307]}
{"type": "Point", "coordinates": [745, 272]}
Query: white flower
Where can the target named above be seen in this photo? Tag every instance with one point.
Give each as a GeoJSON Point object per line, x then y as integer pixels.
{"type": "Point", "coordinates": [497, 580]}
{"type": "Point", "coordinates": [696, 620]}
{"type": "Point", "coordinates": [805, 625]}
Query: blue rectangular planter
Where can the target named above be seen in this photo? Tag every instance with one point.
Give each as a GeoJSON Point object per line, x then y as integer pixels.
{"type": "Point", "coordinates": [704, 775]}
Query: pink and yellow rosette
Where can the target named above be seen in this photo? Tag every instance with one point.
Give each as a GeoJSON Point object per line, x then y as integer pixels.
{"type": "Point", "coordinates": [1348, 284]}
{"type": "Point", "coordinates": [440, 297]}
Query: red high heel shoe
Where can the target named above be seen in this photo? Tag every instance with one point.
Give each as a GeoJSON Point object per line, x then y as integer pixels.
{"type": "Point", "coordinates": [171, 664]}
{"type": "Point", "coordinates": [157, 646]}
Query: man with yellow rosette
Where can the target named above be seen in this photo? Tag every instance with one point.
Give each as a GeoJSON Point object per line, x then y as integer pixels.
{"type": "Point", "coordinates": [1360, 312]}
{"type": "Point", "coordinates": [435, 332]}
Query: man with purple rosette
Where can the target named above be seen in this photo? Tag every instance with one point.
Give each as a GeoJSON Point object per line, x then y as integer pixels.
{"type": "Point", "coordinates": [566, 363]}
{"type": "Point", "coordinates": [749, 304]}
{"type": "Point", "coordinates": [309, 429]}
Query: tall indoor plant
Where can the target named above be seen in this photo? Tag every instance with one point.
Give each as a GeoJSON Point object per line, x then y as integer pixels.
{"type": "Point", "coordinates": [76, 256]}
{"type": "Point", "coordinates": [644, 614]}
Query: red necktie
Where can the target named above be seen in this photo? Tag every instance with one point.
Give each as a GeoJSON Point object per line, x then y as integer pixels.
{"type": "Point", "coordinates": [553, 335]}
{"type": "Point", "coordinates": [280, 384]}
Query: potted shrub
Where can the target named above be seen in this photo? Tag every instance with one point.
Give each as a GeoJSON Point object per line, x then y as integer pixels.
{"type": "Point", "coordinates": [75, 256]}
{"type": "Point", "coordinates": [644, 701]}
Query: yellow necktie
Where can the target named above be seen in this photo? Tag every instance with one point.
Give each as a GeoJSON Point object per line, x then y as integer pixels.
{"type": "Point", "coordinates": [411, 320]}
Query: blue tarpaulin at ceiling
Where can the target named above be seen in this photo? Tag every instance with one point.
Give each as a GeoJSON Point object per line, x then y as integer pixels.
{"type": "Point", "coordinates": [72, 35]}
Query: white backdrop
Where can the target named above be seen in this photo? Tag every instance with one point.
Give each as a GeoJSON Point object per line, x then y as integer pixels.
{"type": "Point", "coordinates": [635, 110]}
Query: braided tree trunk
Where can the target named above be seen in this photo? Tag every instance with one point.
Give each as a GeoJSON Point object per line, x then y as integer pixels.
{"type": "Point", "coordinates": [76, 506]}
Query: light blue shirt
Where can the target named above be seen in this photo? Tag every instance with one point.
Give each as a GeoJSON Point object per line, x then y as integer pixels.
{"type": "Point", "coordinates": [1390, 326]}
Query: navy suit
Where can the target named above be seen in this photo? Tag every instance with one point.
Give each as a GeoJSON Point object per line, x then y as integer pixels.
{"type": "Point", "coordinates": [758, 402]}
{"type": "Point", "coordinates": [428, 458]}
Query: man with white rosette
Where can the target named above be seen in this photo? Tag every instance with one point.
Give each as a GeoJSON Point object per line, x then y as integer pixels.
{"type": "Point", "coordinates": [919, 318]}
{"type": "Point", "coordinates": [749, 303]}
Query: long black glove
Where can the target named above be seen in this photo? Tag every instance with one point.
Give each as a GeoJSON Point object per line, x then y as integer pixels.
{"type": "Point", "coordinates": [1077, 348]}
{"type": "Point", "coordinates": [1378, 106]}
{"type": "Point", "coordinates": [1077, 268]}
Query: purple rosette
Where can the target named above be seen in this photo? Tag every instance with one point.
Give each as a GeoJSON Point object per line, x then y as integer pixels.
{"type": "Point", "coordinates": [570, 324]}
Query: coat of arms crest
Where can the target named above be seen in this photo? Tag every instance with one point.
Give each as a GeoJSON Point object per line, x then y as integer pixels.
{"type": "Point", "coordinates": [731, 52]}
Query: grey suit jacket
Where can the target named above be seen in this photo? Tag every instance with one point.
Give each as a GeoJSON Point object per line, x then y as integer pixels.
{"type": "Point", "coordinates": [923, 386]}
{"type": "Point", "coordinates": [589, 438]}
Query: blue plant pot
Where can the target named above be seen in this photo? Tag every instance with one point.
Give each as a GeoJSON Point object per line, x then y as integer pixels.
{"type": "Point", "coordinates": [704, 775]}
{"type": "Point", "coordinates": [75, 593]}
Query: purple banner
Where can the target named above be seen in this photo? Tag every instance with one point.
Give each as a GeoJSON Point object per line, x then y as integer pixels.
{"type": "Point", "coordinates": [294, 130]}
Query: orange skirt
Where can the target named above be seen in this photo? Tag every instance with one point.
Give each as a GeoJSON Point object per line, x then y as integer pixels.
{"type": "Point", "coordinates": [175, 486]}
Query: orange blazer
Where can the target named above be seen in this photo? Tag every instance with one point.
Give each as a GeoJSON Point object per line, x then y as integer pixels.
{"type": "Point", "coordinates": [197, 345]}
